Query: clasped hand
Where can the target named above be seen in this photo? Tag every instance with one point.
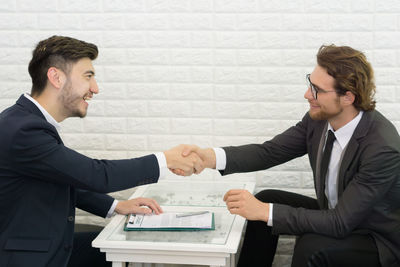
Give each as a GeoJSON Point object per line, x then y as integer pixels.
{"type": "Point", "coordinates": [188, 159]}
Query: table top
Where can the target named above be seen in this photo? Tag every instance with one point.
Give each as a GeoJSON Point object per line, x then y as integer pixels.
{"type": "Point", "coordinates": [181, 196]}
{"type": "Point", "coordinates": [190, 193]}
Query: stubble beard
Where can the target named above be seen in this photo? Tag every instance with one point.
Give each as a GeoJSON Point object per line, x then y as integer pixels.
{"type": "Point", "coordinates": [71, 101]}
{"type": "Point", "coordinates": [323, 115]}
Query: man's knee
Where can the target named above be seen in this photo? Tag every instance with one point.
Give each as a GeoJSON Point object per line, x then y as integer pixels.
{"type": "Point", "coordinates": [314, 250]}
{"type": "Point", "coordinates": [305, 249]}
{"type": "Point", "coordinates": [309, 257]}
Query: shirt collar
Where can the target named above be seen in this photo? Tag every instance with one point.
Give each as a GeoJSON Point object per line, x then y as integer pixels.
{"type": "Point", "coordinates": [47, 115]}
{"type": "Point", "coordinates": [344, 134]}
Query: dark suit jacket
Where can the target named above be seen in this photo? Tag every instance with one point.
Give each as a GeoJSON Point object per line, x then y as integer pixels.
{"type": "Point", "coordinates": [368, 181]}
{"type": "Point", "coordinates": [41, 182]}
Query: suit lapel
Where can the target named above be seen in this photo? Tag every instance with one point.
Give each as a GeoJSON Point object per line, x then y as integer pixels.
{"type": "Point", "coordinates": [352, 147]}
{"type": "Point", "coordinates": [346, 160]}
{"type": "Point", "coordinates": [318, 141]}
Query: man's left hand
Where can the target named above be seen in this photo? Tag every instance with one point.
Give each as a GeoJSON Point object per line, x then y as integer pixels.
{"type": "Point", "coordinates": [243, 203]}
{"type": "Point", "coordinates": [138, 205]}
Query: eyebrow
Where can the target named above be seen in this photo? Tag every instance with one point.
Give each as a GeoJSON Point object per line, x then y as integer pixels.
{"type": "Point", "coordinates": [89, 72]}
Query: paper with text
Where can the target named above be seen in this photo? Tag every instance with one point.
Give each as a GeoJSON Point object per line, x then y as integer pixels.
{"type": "Point", "coordinates": [171, 220]}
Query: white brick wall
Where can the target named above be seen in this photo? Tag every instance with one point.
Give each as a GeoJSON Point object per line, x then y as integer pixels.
{"type": "Point", "coordinates": [211, 72]}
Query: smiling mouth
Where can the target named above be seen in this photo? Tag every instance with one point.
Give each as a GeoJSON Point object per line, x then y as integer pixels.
{"type": "Point", "coordinates": [312, 104]}
{"type": "Point", "coordinates": [87, 98]}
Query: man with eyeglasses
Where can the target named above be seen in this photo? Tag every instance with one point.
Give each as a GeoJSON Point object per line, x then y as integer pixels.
{"type": "Point", "coordinates": [354, 155]}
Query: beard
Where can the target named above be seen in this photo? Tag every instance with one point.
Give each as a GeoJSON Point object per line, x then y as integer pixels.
{"type": "Point", "coordinates": [326, 115]}
{"type": "Point", "coordinates": [71, 101]}
{"type": "Point", "coordinates": [322, 115]}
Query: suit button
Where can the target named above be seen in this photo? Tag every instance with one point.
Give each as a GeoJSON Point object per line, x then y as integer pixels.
{"type": "Point", "coordinates": [71, 218]}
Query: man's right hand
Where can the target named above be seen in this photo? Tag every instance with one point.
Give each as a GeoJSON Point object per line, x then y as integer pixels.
{"type": "Point", "coordinates": [207, 155]}
{"type": "Point", "coordinates": [183, 164]}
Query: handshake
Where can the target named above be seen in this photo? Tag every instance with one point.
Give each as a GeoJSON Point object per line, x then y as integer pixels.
{"type": "Point", "coordinates": [188, 159]}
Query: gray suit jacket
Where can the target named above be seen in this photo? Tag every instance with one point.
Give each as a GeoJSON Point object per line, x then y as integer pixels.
{"type": "Point", "coordinates": [368, 185]}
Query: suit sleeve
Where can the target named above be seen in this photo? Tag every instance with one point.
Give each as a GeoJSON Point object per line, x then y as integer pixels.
{"type": "Point", "coordinates": [95, 203]}
{"type": "Point", "coordinates": [36, 152]}
{"type": "Point", "coordinates": [369, 190]}
{"type": "Point", "coordinates": [254, 157]}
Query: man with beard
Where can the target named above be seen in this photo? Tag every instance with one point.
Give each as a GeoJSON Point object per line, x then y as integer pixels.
{"type": "Point", "coordinates": [42, 181]}
{"type": "Point", "coordinates": [354, 155]}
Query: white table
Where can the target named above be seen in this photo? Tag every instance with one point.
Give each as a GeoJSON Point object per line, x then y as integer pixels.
{"type": "Point", "coordinates": [213, 248]}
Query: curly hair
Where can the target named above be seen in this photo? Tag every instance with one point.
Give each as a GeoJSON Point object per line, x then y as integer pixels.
{"type": "Point", "coordinates": [351, 71]}
{"type": "Point", "coordinates": [60, 52]}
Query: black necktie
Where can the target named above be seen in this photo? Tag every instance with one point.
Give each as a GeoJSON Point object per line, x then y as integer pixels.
{"type": "Point", "coordinates": [326, 158]}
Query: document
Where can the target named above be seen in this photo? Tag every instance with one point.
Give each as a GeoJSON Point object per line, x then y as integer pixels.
{"type": "Point", "coordinates": [171, 221]}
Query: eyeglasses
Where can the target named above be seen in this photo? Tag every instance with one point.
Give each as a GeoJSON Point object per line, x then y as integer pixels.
{"type": "Point", "coordinates": [315, 89]}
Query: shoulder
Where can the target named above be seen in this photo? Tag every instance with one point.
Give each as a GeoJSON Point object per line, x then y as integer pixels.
{"type": "Point", "coordinates": [380, 131]}
{"type": "Point", "coordinates": [379, 142]}
{"type": "Point", "coordinates": [16, 117]}
{"type": "Point", "coordinates": [18, 125]}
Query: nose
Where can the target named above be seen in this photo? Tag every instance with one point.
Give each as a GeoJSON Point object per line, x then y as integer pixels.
{"type": "Point", "coordinates": [94, 88]}
{"type": "Point", "coordinates": [308, 95]}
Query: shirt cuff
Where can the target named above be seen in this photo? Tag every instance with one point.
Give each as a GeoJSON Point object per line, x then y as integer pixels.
{"type": "Point", "coordinates": [162, 163]}
{"type": "Point", "coordinates": [111, 210]}
{"type": "Point", "coordinates": [271, 207]}
{"type": "Point", "coordinates": [220, 158]}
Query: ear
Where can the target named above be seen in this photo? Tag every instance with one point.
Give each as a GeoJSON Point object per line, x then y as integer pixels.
{"type": "Point", "coordinates": [349, 98]}
{"type": "Point", "coordinates": [56, 77]}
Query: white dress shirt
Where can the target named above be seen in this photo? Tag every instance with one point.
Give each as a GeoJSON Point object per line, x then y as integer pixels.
{"type": "Point", "coordinates": [342, 135]}
{"type": "Point", "coordinates": [162, 162]}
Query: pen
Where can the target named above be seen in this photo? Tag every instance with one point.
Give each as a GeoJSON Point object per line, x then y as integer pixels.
{"type": "Point", "coordinates": [190, 214]}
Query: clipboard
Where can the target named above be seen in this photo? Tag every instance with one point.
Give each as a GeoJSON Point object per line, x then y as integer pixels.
{"type": "Point", "coordinates": [171, 221]}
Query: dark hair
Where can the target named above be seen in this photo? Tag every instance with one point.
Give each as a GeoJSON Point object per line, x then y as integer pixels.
{"type": "Point", "coordinates": [60, 52]}
{"type": "Point", "coordinates": [352, 72]}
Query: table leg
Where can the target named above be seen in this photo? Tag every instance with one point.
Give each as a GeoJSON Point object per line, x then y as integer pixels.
{"type": "Point", "coordinates": [118, 264]}
{"type": "Point", "coordinates": [233, 260]}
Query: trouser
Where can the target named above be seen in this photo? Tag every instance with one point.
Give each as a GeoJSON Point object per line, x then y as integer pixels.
{"type": "Point", "coordinates": [83, 254]}
{"type": "Point", "coordinates": [311, 250]}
